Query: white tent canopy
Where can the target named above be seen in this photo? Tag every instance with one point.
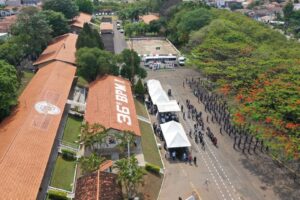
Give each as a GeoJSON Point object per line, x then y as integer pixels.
{"type": "Point", "coordinates": [170, 106]}
{"type": "Point", "coordinates": [160, 97]}
{"type": "Point", "coordinates": [174, 135]}
{"type": "Point", "coordinates": [153, 86]}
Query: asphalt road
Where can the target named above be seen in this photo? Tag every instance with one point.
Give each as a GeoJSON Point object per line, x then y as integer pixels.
{"type": "Point", "coordinates": [222, 173]}
{"type": "Point", "coordinates": [119, 40]}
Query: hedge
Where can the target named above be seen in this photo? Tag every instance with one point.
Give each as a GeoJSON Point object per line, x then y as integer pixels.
{"type": "Point", "coordinates": [57, 195]}
{"type": "Point", "coordinates": [152, 168]}
{"type": "Point", "coordinates": [68, 154]}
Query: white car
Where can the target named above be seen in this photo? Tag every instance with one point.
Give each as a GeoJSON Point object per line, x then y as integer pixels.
{"type": "Point", "coordinates": [121, 30]}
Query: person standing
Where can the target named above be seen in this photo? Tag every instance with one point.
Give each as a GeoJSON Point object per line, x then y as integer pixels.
{"type": "Point", "coordinates": [195, 160]}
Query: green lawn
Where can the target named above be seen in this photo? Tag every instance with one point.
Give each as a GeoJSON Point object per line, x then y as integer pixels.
{"type": "Point", "coordinates": [63, 174]}
{"type": "Point", "coordinates": [27, 76]}
{"type": "Point", "coordinates": [140, 108]}
{"type": "Point", "coordinates": [72, 130]}
{"type": "Point", "coordinates": [149, 145]}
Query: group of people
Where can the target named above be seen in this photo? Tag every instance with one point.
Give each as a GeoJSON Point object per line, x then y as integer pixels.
{"type": "Point", "coordinates": [216, 105]}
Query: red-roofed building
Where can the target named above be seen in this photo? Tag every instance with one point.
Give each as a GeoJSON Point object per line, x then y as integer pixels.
{"type": "Point", "coordinates": [79, 21]}
{"type": "Point", "coordinates": [110, 103]}
{"type": "Point", "coordinates": [62, 48]}
{"type": "Point", "coordinates": [98, 185]}
{"type": "Point", "coordinates": [149, 18]}
{"type": "Point", "coordinates": [28, 134]}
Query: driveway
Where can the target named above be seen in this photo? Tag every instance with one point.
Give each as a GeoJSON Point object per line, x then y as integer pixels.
{"type": "Point", "coordinates": [119, 39]}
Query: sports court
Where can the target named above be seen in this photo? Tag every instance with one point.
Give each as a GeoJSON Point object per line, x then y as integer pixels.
{"type": "Point", "coordinates": [152, 46]}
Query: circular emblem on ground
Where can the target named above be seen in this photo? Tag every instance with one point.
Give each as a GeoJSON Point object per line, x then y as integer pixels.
{"type": "Point", "coordinates": [43, 107]}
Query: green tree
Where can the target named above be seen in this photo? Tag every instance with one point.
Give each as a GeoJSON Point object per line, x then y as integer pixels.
{"type": "Point", "coordinates": [129, 174]}
{"type": "Point", "coordinates": [89, 37]}
{"type": "Point", "coordinates": [94, 62]}
{"type": "Point", "coordinates": [12, 50]}
{"type": "Point", "coordinates": [235, 6]}
{"type": "Point", "coordinates": [139, 89]}
{"type": "Point", "coordinates": [85, 6]}
{"type": "Point", "coordinates": [67, 7]}
{"type": "Point", "coordinates": [8, 88]}
{"type": "Point", "coordinates": [125, 140]}
{"type": "Point", "coordinates": [57, 21]}
{"type": "Point", "coordinates": [90, 163]}
{"type": "Point", "coordinates": [131, 65]}
{"type": "Point", "coordinates": [288, 10]}
{"type": "Point", "coordinates": [32, 30]}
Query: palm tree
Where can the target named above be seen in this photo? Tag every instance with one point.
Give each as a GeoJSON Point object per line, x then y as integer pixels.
{"type": "Point", "coordinates": [129, 174]}
{"type": "Point", "coordinates": [90, 163]}
{"type": "Point", "coordinates": [126, 140]}
{"type": "Point", "coordinates": [93, 134]}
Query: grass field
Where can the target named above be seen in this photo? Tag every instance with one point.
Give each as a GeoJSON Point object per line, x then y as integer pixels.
{"type": "Point", "coordinates": [63, 174]}
{"type": "Point", "coordinates": [72, 130]}
{"type": "Point", "coordinates": [149, 145]}
{"type": "Point", "coordinates": [140, 108]}
{"type": "Point", "coordinates": [27, 76]}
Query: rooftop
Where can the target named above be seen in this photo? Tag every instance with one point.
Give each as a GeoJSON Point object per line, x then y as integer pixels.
{"type": "Point", "coordinates": [152, 46]}
{"type": "Point", "coordinates": [6, 22]}
{"type": "Point", "coordinates": [106, 26]}
{"type": "Point", "coordinates": [148, 18]}
{"type": "Point", "coordinates": [98, 186]}
{"type": "Point", "coordinates": [110, 103]}
{"type": "Point", "coordinates": [28, 134]}
{"type": "Point", "coordinates": [82, 18]}
{"type": "Point", "coordinates": [63, 48]}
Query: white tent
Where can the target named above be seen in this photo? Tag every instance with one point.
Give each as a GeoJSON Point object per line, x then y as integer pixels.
{"type": "Point", "coordinates": [160, 97]}
{"type": "Point", "coordinates": [153, 85]}
{"type": "Point", "coordinates": [170, 106]}
{"type": "Point", "coordinates": [174, 135]}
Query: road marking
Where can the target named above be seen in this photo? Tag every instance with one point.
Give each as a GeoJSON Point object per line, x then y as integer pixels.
{"type": "Point", "coordinates": [188, 121]}
{"type": "Point", "coordinates": [195, 190]}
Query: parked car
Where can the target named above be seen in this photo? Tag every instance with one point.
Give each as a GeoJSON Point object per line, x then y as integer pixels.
{"type": "Point", "coordinates": [121, 30]}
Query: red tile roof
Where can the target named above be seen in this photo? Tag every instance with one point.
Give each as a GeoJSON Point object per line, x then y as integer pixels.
{"type": "Point", "coordinates": [63, 48]}
{"type": "Point", "coordinates": [81, 19]}
{"type": "Point", "coordinates": [27, 136]}
{"type": "Point", "coordinates": [98, 186]}
{"type": "Point", "coordinates": [148, 18]}
{"type": "Point", "coordinates": [106, 165]}
{"type": "Point", "coordinates": [110, 103]}
{"type": "Point", "coordinates": [106, 26]}
{"type": "Point", "coordinates": [6, 22]}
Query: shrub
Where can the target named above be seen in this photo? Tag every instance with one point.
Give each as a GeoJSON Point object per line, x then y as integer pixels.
{"type": "Point", "coordinates": [68, 154]}
{"type": "Point", "coordinates": [152, 168]}
{"type": "Point", "coordinates": [57, 195]}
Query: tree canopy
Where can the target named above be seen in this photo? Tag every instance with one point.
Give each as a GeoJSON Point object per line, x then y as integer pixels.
{"type": "Point", "coordinates": [67, 7]}
{"type": "Point", "coordinates": [57, 21]}
{"type": "Point", "coordinates": [131, 65]}
{"type": "Point", "coordinates": [85, 6]}
{"type": "Point", "coordinates": [8, 88]}
{"type": "Point", "coordinates": [33, 31]}
{"type": "Point", "coordinates": [89, 37]}
{"type": "Point", "coordinates": [94, 62]}
{"type": "Point", "coordinates": [258, 70]}
{"type": "Point", "coordinates": [130, 174]}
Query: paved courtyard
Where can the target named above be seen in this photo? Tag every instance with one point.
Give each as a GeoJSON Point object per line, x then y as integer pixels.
{"type": "Point", "coordinates": [221, 173]}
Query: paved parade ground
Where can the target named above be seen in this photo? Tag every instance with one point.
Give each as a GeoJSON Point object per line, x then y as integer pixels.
{"type": "Point", "coordinates": [223, 172]}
